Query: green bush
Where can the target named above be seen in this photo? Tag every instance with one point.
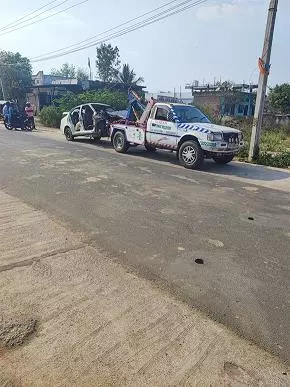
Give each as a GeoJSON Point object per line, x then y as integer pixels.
{"type": "Point", "coordinates": [273, 141]}
{"type": "Point", "coordinates": [118, 100]}
{"type": "Point", "coordinates": [279, 160]}
{"type": "Point", "coordinates": [50, 116]}
{"type": "Point", "coordinates": [244, 152]}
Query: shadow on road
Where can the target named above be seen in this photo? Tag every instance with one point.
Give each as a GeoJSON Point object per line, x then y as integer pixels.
{"type": "Point", "coordinates": [237, 169]}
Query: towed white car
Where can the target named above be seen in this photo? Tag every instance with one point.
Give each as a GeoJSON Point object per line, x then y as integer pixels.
{"type": "Point", "coordinates": [88, 120]}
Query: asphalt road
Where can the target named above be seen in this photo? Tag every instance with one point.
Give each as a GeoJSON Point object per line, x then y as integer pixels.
{"type": "Point", "coordinates": [160, 220]}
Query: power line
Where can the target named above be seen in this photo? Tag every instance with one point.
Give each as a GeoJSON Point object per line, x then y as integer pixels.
{"type": "Point", "coordinates": [105, 32]}
{"type": "Point", "coordinates": [117, 34]}
{"type": "Point", "coordinates": [144, 23]}
{"type": "Point", "coordinates": [47, 17]}
{"type": "Point", "coordinates": [26, 16]}
{"type": "Point", "coordinates": [13, 24]}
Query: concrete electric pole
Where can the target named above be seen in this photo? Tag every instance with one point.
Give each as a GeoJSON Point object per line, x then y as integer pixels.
{"type": "Point", "coordinates": [264, 67]}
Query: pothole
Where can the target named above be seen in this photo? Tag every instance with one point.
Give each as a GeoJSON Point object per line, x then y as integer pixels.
{"type": "Point", "coordinates": [199, 261]}
{"type": "Point", "coordinates": [14, 333]}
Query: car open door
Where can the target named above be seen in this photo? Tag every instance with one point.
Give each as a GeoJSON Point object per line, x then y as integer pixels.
{"type": "Point", "coordinates": [85, 125]}
{"type": "Point", "coordinates": [74, 118]}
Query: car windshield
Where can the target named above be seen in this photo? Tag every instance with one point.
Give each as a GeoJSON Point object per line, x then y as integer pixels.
{"type": "Point", "coordinates": [98, 107]}
{"type": "Point", "coordinates": [187, 113]}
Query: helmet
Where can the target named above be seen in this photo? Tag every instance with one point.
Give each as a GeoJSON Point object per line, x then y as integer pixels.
{"type": "Point", "coordinates": [27, 104]}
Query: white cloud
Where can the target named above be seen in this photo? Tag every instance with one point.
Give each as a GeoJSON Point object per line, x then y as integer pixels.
{"type": "Point", "coordinates": [227, 9]}
{"type": "Point", "coordinates": [66, 19]}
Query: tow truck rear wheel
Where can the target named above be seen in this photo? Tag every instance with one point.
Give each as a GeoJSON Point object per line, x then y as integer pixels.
{"type": "Point", "coordinates": [223, 159]}
{"type": "Point", "coordinates": [120, 143]}
{"type": "Point", "coordinates": [190, 154]}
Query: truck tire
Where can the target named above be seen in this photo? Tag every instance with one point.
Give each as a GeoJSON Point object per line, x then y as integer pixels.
{"type": "Point", "coordinates": [150, 148]}
{"type": "Point", "coordinates": [68, 134]}
{"type": "Point", "coordinates": [120, 143]}
{"type": "Point", "coordinates": [223, 159]}
{"type": "Point", "coordinates": [190, 154]}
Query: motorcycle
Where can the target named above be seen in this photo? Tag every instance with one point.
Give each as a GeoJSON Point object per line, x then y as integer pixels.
{"type": "Point", "coordinates": [20, 121]}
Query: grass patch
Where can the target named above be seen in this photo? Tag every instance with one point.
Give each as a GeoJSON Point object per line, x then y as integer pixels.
{"type": "Point", "coordinates": [274, 148]}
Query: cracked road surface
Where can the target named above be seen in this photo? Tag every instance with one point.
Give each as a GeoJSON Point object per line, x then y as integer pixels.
{"type": "Point", "coordinates": [71, 316]}
{"type": "Point", "coordinates": [159, 219]}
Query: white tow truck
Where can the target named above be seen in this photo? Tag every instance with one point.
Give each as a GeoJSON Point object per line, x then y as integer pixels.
{"type": "Point", "coordinates": [176, 127]}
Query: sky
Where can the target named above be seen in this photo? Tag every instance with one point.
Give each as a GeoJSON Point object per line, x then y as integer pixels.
{"type": "Point", "coordinates": [219, 39]}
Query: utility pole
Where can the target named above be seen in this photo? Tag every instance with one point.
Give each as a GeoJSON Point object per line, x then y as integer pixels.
{"type": "Point", "coordinates": [264, 67]}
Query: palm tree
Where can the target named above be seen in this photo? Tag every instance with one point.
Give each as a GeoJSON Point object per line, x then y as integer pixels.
{"type": "Point", "coordinates": [127, 76]}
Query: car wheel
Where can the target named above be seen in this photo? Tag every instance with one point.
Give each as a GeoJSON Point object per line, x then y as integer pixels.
{"type": "Point", "coordinates": [191, 155]}
{"type": "Point", "coordinates": [120, 143]}
{"type": "Point", "coordinates": [68, 134]}
{"type": "Point", "coordinates": [223, 159]}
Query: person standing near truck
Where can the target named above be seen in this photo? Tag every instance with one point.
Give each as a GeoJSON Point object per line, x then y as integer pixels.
{"type": "Point", "coordinates": [99, 123]}
{"type": "Point", "coordinates": [6, 112]}
{"type": "Point", "coordinates": [29, 112]}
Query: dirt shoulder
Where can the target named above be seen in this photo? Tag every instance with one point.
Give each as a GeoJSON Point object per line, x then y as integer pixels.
{"type": "Point", "coordinates": [72, 316]}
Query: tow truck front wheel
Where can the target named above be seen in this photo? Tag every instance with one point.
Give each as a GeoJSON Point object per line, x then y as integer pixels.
{"type": "Point", "coordinates": [223, 159]}
{"type": "Point", "coordinates": [120, 143]}
{"type": "Point", "coordinates": [190, 155]}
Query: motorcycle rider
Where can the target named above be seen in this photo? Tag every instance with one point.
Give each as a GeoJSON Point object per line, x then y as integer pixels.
{"type": "Point", "coordinates": [6, 112]}
{"type": "Point", "coordinates": [29, 112]}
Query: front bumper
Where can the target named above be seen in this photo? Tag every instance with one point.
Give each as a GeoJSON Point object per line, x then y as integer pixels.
{"type": "Point", "coordinates": [220, 147]}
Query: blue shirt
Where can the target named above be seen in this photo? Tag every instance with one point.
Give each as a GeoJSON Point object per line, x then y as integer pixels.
{"type": "Point", "coordinates": [6, 111]}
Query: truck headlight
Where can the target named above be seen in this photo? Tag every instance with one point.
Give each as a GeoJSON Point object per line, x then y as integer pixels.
{"type": "Point", "coordinates": [215, 137]}
{"type": "Point", "coordinates": [240, 136]}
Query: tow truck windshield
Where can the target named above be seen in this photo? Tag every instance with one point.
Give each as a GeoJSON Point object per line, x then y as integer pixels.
{"type": "Point", "coordinates": [189, 114]}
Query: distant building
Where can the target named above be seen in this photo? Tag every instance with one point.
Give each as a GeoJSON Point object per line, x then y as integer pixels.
{"type": "Point", "coordinates": [169, 96]}
{"type": "Point", "coordinates": [47, 88]}
{"type": "Point", "coordinates": [227, 100]}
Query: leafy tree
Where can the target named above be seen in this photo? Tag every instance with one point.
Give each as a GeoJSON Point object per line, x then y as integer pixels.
{"type": "Point", "coordinates": [81, 74]}
{"type": "Point", "coordinates": [108, 62]}
{"type": "Point", "coordinates": [279, 98]}
{"type": "Point", "coordinates": [127, 76]}
{"type": "Point", "coordinates": [16, 75]}
{"type": "Point", "coordinates": [70, 71]}
{"type": "Point", "coordinates": [66, 70]}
